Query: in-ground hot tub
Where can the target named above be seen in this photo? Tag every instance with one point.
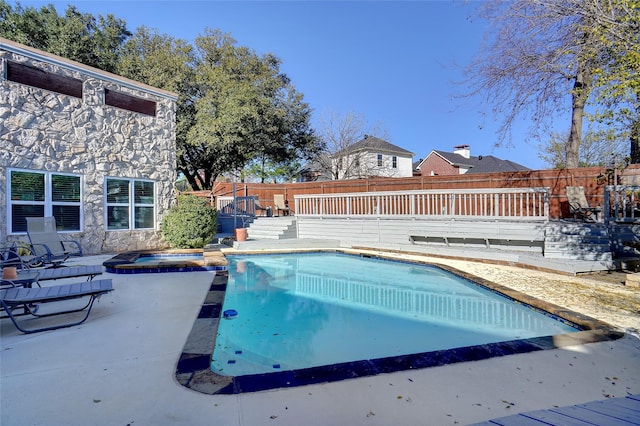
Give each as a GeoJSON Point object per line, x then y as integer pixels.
{"type": "Point", "coordinates": [155, 261]}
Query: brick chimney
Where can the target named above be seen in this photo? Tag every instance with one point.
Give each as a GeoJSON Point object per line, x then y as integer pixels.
{"type": "Point", "coordinates": [462, 150]}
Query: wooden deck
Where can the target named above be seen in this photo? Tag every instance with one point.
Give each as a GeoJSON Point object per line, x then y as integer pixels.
{"type": "Point", "coordinates": [609, 412]}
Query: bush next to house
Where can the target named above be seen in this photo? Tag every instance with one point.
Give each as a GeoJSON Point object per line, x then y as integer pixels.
{"type": "Point", "coordinates": [191, 223]}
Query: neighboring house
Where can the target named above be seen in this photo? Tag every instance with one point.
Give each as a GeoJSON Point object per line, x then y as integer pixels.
{"type": "Point", "coordinates": [372, 157]}
{"type": "Point", "coordinates": [315, 170]}
{"type": "Point", "coordinates": [460, 161]}
{"type": "Point", "coordinates": [93, 149]}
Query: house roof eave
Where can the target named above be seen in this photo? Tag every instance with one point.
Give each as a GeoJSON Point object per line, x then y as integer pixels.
{"type": "Point", "coordinates": [39, 55]}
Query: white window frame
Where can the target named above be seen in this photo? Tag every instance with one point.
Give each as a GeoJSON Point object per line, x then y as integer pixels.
{"type": "Point", "coordinates": [48, 202]}
{"type": "Point", "coordinates": [394, 162]}
{"type": "Point", "coordinates": [131, 204]}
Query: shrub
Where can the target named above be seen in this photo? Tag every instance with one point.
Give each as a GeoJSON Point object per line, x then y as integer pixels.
{"type": "Point", "coordinates": [191, 223]}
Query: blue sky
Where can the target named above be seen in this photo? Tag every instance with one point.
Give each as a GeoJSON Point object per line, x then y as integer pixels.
{"type": "Point", "coordinates": [394, 63]}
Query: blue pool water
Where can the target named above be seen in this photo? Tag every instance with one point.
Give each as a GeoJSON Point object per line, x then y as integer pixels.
{"type": "Point", "coordinates": [147, 258]}
{"type": "Point", "coordinates": [295, 311]}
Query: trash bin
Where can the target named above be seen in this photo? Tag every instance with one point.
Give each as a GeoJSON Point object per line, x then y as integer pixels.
{"type": "Point", "coordinates": [269, 211]}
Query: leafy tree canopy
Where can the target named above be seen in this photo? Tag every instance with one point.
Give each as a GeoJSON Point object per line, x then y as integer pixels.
{"type": "Point", "coordinates": [247, 109]}
{"type": "Point", "coordinates": [617, 78]}
{"type": "Point", "coordinates": [598, 148]}
{"type": "Point", "coordinates": [235, 107]}
{"type": "Point", "coordinates": [78, 36]}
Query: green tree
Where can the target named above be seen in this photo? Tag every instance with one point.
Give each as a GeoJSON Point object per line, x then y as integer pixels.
{"type": "Point", "coordinates": [234, 107]}
{"type": "Point", "coordinates": [74, 35]}
{"type": "Point", "coordinates": [598, 147]}
{"type": "Point", "coordinates": [617, 80]}
{"type": "Point", "coordinates": [246, 110]}
{"type": "Point", "coordinates": [30, 26]}
{"type": "Point", "coordinates": [168, 63]}
{"type": "Point", "coordinates": [262, 170]}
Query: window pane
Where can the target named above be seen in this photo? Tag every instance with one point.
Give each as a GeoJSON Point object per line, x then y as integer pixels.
{"type": "Point", "coordinates": [67, 217]}
{"type": "Point", "coordinates": [65, 188]}
{"type": "Point", "coordinates": [27, 186]}
{"type": "Point", "coordinates": [144, 217]}
{"type": "Point", "coordinates": [143, 192]}
{"type": "Point", "coordinates": [117, 217]}
{"type": "Point", "coordinates": [19, 213]}
{"type": "Point", "coordinates": [117, 191]}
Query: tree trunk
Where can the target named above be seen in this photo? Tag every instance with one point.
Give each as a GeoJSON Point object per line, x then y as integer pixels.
{"type": "Point", "coordinates": [635, 142]}
{"type": "Point", "coordinates": [575, 135]}
{"type": "Point", "coordinates": [193, 183]}
{"type": "Point", "coordinates": [579, 96]}
{"type": "Point", "coordinates": [635, 134]}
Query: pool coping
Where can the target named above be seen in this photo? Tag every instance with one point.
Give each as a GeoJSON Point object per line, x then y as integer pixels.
{"type": "Point", "coordinates": [193, 367]}
{"type": "Point", "coordinates": [124, 263]}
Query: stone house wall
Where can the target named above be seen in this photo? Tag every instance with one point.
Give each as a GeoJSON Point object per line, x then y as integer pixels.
{"type": "Point", "coordinates": [43, 130]}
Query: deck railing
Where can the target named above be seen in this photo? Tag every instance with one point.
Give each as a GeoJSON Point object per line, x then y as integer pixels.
{"type": "Point", "coordinates": [622, 203]}
{"type": "Point", "coordinates": [243, 206]}
{"type": "Point", "coordinates": [490, 204]}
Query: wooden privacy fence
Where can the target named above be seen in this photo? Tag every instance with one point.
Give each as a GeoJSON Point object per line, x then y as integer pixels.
{"type": "Point", "coordinates": [531, 204]}
{"type": "Point", "coordinates": [593, 179]}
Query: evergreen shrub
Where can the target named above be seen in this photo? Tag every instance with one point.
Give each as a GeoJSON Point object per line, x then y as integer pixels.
{"type": "Point", "coordinates": [191, 223]}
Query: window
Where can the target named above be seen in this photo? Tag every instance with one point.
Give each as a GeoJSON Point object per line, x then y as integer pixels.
{"type": "Point", "coordinates": [394, 162]}
{"type": "Point", "coordinates": [128, 102]}
{"type": "Point", "coordinates": [35, 77]}
{"type": "Point", "coordinates": [40, 194]}
{"type": "Point", "coordinates": [379, 160]}
{"type": "Point", "coordinates": [130, 204]}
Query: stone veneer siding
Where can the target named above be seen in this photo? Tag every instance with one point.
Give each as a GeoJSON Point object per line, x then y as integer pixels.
{"type": "Point", "coordinates": [42, 130]}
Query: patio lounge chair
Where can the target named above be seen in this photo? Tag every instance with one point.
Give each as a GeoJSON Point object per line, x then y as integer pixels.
{"type": "Point", "coordinates": [281, 204]}
{"type": "Point", "coordinates": [89, 271]}
{"type": "Point", "coordinates": [9, 257]}
{"type": "Point", "coordinates": [263, 210]}
{"type": "Point", "coordinates": [28, 300]}
{"type": "Point", "coordinates": [578, 205]}
{"type": "Point", "coordinates": [46, 243]}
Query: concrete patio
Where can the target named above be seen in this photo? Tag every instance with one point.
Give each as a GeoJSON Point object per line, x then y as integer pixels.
{"type": "Point", "coordinates": [118, 368]}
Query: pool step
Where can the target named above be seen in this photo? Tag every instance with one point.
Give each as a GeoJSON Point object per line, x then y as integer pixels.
{"type": "Point", "coordinates": [237, 359]}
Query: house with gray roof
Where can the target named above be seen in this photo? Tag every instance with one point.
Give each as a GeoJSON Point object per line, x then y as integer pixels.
{"type": "Point", "coordinates": [372, 157]}
{"type": "Point", "coordinates": [460, 161]}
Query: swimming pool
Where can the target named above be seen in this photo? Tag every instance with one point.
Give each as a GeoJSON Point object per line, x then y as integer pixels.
{"type": "Point", "coordinates": [297, 311]}
{"type": "Point", "coordinates": [193, 368]}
